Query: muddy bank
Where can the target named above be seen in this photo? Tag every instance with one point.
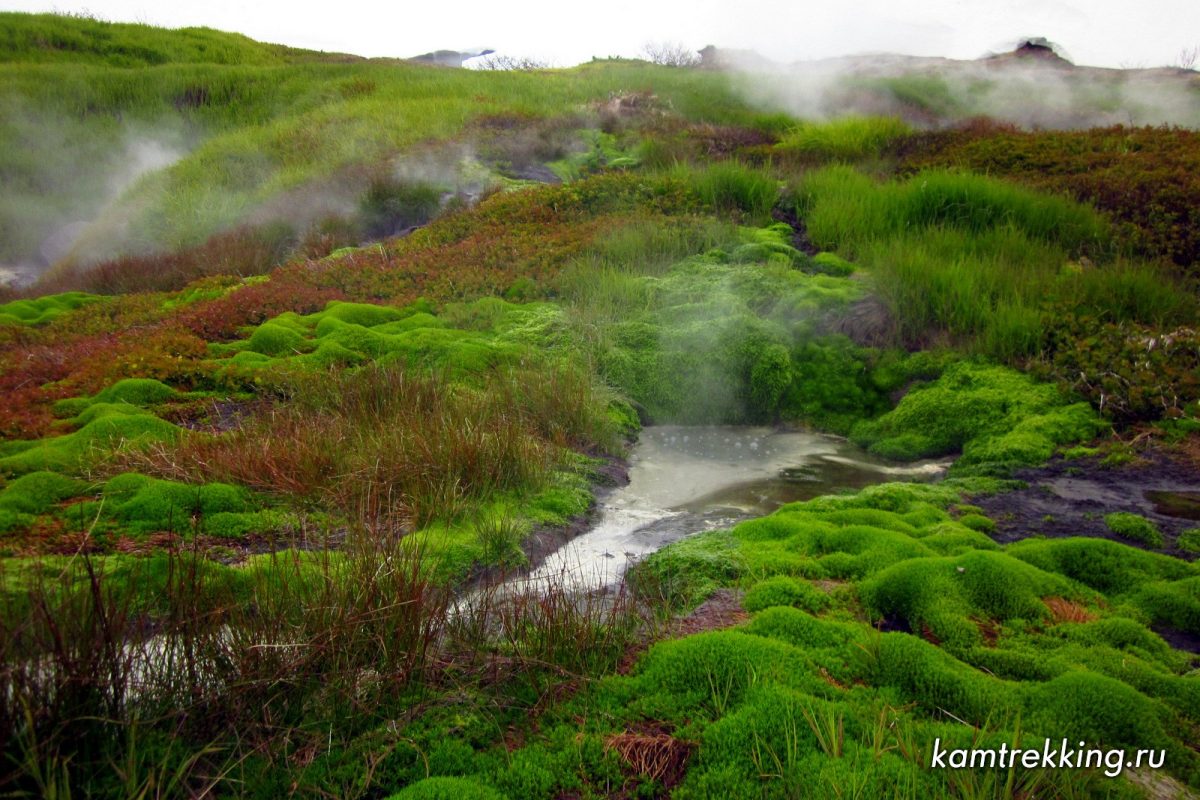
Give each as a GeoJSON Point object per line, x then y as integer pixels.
{"type": "Point", "coordinates": [546, 539]}
{"type": "Point", "coordinates": [1070, 498]}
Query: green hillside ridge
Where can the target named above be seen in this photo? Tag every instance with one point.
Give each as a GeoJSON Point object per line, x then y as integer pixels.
{"type": "Point", "coordinates": [79, 39]}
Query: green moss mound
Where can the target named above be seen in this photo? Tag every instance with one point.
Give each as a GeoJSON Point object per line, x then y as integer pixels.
{"type": "Point", "coordinates": [125, 397]}
{"type": "Point", "coordinates": [477, 337]}
{"type": "Point", "coordinates": [146, 505]}
{"type": "Point", "coordinates": [270, 339]}
{"type": "Point", "coordinates": [1095, 709]}
{"type": "Point", "coordinates": [1109, 567]}
{"type": "Point", "coordinates": [730, 336]}
{"type": "Point", "coordinates": [992, 414]}
{"type": "Point", "coordinates": [782, 590]}
{"type": "Point", "coordinates": [67, 454]}
{"type": "Point", "coordinates": [43, 309]}
{"type": "Point", "coordinates": [1135, 528]}
{"type": "Point", "coordinates": [1031, 636]}
{"type": "Point", "coordinates": [945, 596]}
{"type": "Point", "coordinates": [23, 499]}
{"type": "Point", "coordinates": [1189, 540]}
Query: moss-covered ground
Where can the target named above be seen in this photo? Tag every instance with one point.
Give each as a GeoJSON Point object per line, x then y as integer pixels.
{"type": "Point", "coordinates": [256, 478]}
{"type": "Point", "coordinates": [979, 645]}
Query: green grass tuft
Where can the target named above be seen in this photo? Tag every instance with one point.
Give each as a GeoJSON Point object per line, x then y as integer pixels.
{"type": "Point", "coordinates": [1135, 528]}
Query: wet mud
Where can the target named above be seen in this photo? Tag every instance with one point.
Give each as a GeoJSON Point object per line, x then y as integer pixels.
{"type": "Point", "coordinates": [1070, 498]}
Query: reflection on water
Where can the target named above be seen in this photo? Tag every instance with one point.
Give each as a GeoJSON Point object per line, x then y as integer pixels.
{"type": "Point", "coordinates": [683, 480]}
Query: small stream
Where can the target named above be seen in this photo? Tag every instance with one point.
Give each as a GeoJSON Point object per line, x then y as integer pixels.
{"type": "Point", "coordinates": [684, 480]}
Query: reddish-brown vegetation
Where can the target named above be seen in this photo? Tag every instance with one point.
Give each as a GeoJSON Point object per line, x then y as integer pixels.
{"type": "Point", "coordinates": [241, 252]}
{"type": "Point", "coordinates": [1146, 179]}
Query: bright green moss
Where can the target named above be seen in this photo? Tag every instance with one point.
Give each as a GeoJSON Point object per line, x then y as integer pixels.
{"type": "Point", "coordinates": [1095, 709]}
{"type": "Point", "coordinates": [785, 523]}
{"type": "Point", "coordinates": [1175, 604]}
{"type": "Point", "coordinates": [1128, 635]}
{"type": "Point", "coordinates": [784, 591]}
{"type": "Point", "coordinates": [137, 391]}
{"type": "Point", "coordinates": [363, 314]}
{"type": "Point", "coordinates": [862, 550]}
{"type": "Point", "coordinates": [354, 337]}
{"type": "Point", "coordinates": [943, 594]}
{"type": "Point", "coordinates": [68, 453]}
{"type": "Point", "coordinates": [1135, 528]}
{"type": "Point", "coordinates": [984, 646]}
{"type": "Point", "coordinates": [873, 517]}
{"type": "Point", "coordinates": [447, 789]}
{"type": "Point", "coordinates": [977, 522]}
{"type": "Point", "coordinates": [831, 264]}
{"type": "Point", "coordinates": [43, 309]}
{"type": "Point", "coordinates": [713, 672]}
{"type": "Point", "coordinates": [894, 497]}
{"type": "Point", "coordinates": [237, 525]}
{"type": "Point", "coordinates": [38, 492]}
{"type": "Point", "coordinates": [1035, 438]}
{"type": "Point", "coordinates": [418, 320]}
{"type": "Point", "coordinates": [249, 358]}
{"type": "Point", "coordinates": [932, 678]}
{"type": "Point", "coordinates": [712, 339]}
{"type": "Point", "coordinates": [71, 406]}
{"type": "Point", "coordinates": [94, 411]}
{"type": "Point", "coordinates": [270, 339]}
{"type": "Point", "coordinates": [144, 505]}
{"type": "Point", "coordinates": [1107, 566]}
{"type": "Point", "coordinates": [688, 571]}
{"type": "Point", "coordinates": [328, 354]}
{"type": "Point", "coordinates": [802, 629]}
{"type": "Point", "coordinates": [772, 720]}
{"type": "Point", "coordinates": [1189, 541]}
{"type": "Point", "coordinates": [569, 497]}
{"type": "Point", "coordinates": [463, 357]}
{"type": "Point", "coordinates": [951, 538]}
{"type": "Point", "coordinates": [123, 397]}
{"type": "Point", "coordinates": [992, 414]}
{"type": "Point", "coordinates": [293, 321]}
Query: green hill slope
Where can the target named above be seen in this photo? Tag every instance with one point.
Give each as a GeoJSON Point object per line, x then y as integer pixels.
{"type": "Point", "coordinates": [56, 38]}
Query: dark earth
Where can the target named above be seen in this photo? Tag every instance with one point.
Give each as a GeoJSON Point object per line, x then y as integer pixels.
{"type": "Point", "coordinates": [1070, 498]}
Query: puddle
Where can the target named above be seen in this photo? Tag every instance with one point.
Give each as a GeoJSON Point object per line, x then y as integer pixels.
{"type": "Point", "coordinates": [683, 480]}
{"type": "Point", "coordinates": [1183, 505]}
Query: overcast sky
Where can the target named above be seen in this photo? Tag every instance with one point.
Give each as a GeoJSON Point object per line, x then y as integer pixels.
{"type": "Point", "coordinates": [1115, 33]}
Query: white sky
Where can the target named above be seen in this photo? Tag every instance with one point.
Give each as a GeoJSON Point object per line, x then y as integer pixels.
{"type": "Point", "coordinates": [1115, 33]}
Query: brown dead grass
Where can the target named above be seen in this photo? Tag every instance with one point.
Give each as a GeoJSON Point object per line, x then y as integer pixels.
{"type": "Point", "coordinates": [1064, 610]}
{"type": "Point", "coordinates": [658, 756]}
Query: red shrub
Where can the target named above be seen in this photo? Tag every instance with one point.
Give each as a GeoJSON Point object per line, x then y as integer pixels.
{"type": "Point", "coordinates": [241, 252]}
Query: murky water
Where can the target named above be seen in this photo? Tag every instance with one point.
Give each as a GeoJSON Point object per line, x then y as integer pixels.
{"type": "Point", "coordinates": [683, 480]}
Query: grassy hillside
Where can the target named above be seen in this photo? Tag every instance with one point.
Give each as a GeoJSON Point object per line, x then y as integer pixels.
{"type": "Point", "coordinates": [338, 346]}
{"type": "Point", "coordinates": [164, 157]}
{"type": "Point", "coordinates": [53, 38]}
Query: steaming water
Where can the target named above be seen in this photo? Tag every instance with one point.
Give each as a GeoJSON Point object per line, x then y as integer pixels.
{"type": "Point", "coordinates": [683, 480]}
